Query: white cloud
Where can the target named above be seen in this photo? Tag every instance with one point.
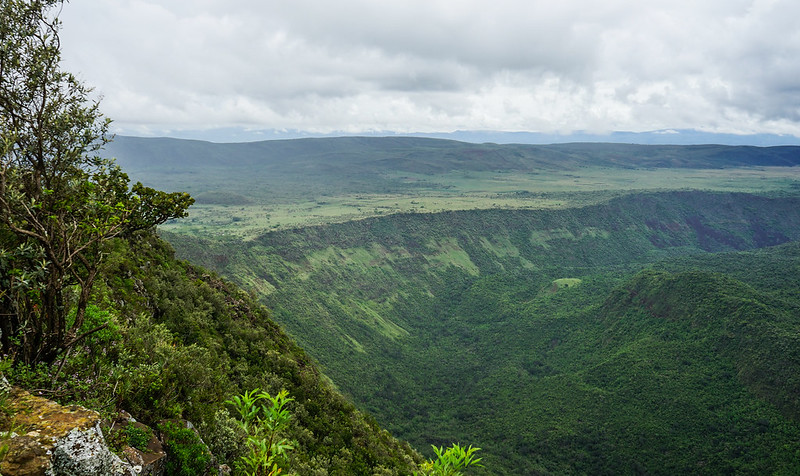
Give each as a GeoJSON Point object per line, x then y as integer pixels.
{"type": "Point", "coordinates": [437, 65]}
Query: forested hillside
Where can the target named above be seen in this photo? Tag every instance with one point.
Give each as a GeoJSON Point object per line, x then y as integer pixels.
{"type": "Point", "coordinates": [180, 341]}
{"type": "Point", "coordinates": [631, 336]}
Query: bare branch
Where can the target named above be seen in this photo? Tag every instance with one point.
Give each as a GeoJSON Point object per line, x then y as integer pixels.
{"type": "Point", "coordinates": [86, 334]}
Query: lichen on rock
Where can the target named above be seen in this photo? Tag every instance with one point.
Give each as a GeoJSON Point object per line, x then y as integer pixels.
{"type": "Point", "coordinates": [84, 453]}
{"type": "Point", "coordinates": [53, 440]}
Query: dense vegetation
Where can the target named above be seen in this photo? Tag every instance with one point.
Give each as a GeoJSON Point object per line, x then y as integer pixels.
{"type": "Point", "coordinates": [635, 333]}
{"type": "Point", "coordinates": [180, 341]}
{"type": "Point", "coordinates": [580, 340]}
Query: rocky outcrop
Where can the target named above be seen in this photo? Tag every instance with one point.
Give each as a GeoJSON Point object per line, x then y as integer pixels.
{"type": "Point", "coordinates": [148, 460]}
{"type": "Point", "coordinates": [84, 453]}
{"type": "Point", "coordinates": [48, 439]}
{"type": "Point", "coordinates": [43, 438]}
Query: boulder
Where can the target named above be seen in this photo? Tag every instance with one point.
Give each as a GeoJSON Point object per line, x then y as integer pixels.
{"type": "Point", "coordinates": [48, 439]}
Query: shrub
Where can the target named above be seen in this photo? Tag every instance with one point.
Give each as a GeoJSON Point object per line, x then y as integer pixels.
{"type": "Point", "coordinates": [264, 424]}
{"type": "Point", "coordinates": [186, 453]}
{"type": "Point", "coordinates": [450, 461]}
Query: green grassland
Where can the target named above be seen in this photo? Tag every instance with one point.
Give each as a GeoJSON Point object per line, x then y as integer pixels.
{"type": "Point", "coordinates": [243, 190]}
{"type": "Point", "coordinates": [564, 283]}
{"type": "Point", "coordinates": [246, 216]}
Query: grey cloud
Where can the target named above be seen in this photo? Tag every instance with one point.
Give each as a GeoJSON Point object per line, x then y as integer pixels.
{"type": "Point", "coordinates": [729, 65]}
{"type": "Point", "coordinates": [488, 36]}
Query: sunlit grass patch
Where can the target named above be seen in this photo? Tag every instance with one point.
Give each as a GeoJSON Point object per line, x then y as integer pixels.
{"type": "Point", "coordinates": [564, 283]}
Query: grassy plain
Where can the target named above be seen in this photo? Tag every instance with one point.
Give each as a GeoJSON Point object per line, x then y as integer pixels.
{"type": "Point", "coordinates": [259, 210]}
{"type": "Point", "coordinates": [244, 190]}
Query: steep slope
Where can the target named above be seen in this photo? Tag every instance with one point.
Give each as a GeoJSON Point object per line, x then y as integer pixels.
{"type": "Point", "coordinates": [180, 341]}
{"type": "Point", "coordinates": [689, 372]}
{"type": "Point", "coordinates": [754, 330]}
{"type": "Point", "coordinates": [497, 328]}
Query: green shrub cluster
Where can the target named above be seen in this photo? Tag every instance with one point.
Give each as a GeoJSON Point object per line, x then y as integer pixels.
{"type": "Point", "coordinates": [187, 455]}
{"type": "Point", "coordinates": [129, 435]}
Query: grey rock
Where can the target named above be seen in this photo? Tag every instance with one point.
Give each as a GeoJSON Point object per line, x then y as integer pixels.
{"type": "Point", "coordinates": [84, 453]}
{"type": "Point", "coordinates": [57, 440]}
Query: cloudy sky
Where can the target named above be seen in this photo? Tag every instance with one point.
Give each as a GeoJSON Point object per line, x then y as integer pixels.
{"type": "Point", "coordinates": [359, 66]}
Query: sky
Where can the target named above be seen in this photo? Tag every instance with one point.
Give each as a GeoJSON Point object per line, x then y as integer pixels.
{"type": "Point", "coordinates": [166, 67]}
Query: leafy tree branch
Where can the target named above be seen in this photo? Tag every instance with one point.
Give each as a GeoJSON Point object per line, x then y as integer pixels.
{"type": "Point", "coordinates": [60, 201]}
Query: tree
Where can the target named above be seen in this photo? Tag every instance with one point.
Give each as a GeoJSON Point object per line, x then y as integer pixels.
{"type": "Point", "coordinates": [60, 202]}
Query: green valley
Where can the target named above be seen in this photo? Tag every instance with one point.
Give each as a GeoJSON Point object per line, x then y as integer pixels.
{"type": "Point", "coordinates": [382, 306]}
{"type": "Point", "coordinates": [573, 308]}
{"type": "Point", "coordinates": [547, 337]}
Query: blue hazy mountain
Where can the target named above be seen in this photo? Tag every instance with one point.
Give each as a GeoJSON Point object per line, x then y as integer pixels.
{"type": "Point", "coordinates": [670, 136]}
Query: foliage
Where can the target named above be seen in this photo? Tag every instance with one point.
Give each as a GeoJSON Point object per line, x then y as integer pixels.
{"type": "Point", "coordinates": [4, 446]}
{"type": "Point", "coordinates": [449, 328]}
{"type": "Point", "coordinates": [182, 342]}
{"type": "Point", "coordinates": [196, 310]}
{"type": "Point", "coordinates": [137, 437]}
{"type": "Point", "coordinates": [224, 436]}
{"type": "Point", "coordinates": [129, 435]}
{"type": "Point", "coordinates": [5, 408]}
{"type": "Point", "coordinates": [263, 424]}
{"type": "Point", "coordinates": [450, 461]}
{"type": "Point", "coordinates": [59, 200]}
{"type": "Point", "coordinates": [7, 430]}
{"type": "Point", "coordinates": [186, 453]}
{"type": "Point", "coordinates": [6, 411]}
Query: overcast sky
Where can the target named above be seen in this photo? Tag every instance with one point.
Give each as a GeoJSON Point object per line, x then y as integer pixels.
{"type": "Point", "coordinates": [555, 66]}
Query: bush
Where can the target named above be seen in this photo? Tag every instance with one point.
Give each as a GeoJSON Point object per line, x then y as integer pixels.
{"type": "Point", "coordinates": [129, 435]}
{"type": "Point", "coordinates": [224, 437]}
{"type": "Point", "coordinates": [264, 425]}
{"type": "Point", "coordinates": [187, 455]}
{"type": "Point", "coordinates": [450, 461]}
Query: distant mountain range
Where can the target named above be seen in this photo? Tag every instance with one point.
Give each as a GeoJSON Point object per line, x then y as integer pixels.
{"type": "Point", "coordinates": [667, 136]}
{"type": "Point", "coordinates": [364, 154]}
